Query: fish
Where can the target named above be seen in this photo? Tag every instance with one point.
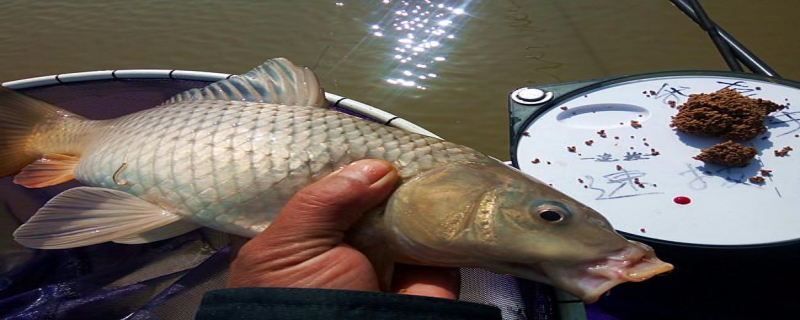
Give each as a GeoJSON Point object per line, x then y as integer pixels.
{"type": "Point", "coordinates": [230, 155]}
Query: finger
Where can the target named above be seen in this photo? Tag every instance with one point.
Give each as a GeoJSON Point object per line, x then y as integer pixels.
{"type": "Point", "coordinates": [338, 200]}
{"type": "Point", "coordinates": [426, 281]}
{"type": "Point", "coordinates": [319, 214]}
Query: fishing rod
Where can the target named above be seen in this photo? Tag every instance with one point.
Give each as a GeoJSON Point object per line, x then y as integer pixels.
{"type": "Point", "coordinates": [710, 27]}
{"type": "Point", "coordinates": [732, 50]}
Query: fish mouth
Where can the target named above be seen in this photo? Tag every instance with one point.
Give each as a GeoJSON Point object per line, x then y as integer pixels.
{"type": "Point", "coordinates": [590, 280]}
{"type": "Point", "coordinates": [636, 263]}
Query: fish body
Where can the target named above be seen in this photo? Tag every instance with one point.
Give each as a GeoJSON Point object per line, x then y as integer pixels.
{"type": "Point", "coordinates": [231, 165]}
{"type": "Point", "coordinates": [229, 156]}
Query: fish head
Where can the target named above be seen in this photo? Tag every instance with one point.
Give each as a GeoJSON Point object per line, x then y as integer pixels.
{"type": "Point", "coordinates": [491, 216]}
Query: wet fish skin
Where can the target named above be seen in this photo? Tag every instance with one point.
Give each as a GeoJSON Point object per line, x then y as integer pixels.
{"type": "Point", "coordinates": [229, 158]}
{"type": "Point", "coordinates": [232, 165]}
{"type": "Point", "coordinates": [484, 215]}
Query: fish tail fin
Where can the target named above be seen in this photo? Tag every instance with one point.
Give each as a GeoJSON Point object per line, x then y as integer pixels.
{"type": "Point", "coordinates": [21, 119]}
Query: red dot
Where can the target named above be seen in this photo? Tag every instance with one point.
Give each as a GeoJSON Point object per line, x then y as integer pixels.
{"type": "Point", "coordinates": [682, 200]}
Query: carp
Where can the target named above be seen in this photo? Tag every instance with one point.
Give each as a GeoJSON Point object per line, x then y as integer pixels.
{"type": "Point", "coordinates": [230, 155]}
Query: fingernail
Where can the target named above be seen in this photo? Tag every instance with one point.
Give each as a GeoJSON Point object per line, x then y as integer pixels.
{"type": "Point", "coordinates": [367, 171]}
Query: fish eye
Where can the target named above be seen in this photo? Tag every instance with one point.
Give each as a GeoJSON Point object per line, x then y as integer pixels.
{"type": "Point", "coordinates": [551, 215]}
{"type": "Point", "coordinates": [550, 211]}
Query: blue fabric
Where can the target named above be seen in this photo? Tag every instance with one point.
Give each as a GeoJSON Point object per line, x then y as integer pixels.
{"type": "Point", "coordinates": [76, 283]}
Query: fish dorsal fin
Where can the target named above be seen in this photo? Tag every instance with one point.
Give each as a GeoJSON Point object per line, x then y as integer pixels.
{"type": "Point", "coordinates": [85, 216]}
{"type": "Point", "coordinates": [276, 81]}
{"type": "Point", "coordinates": [49, 170]}
{"type": "Point", "coordinates": [168, 231]}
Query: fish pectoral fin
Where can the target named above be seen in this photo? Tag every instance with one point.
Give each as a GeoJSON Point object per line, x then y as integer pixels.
{"type": "Point", "coordinates": [168, 231]}
{"type": "Point", "coordinates": [87, 215]}
{"type": "Point", "coordinates": [385, 271]}
{"type": "Point", "coordinates": [51, 169]}
{"type": "Point", "coordinates": [383, 263]}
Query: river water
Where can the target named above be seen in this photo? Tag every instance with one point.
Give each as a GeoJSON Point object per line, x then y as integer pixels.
{"type": "Point", "coordinates": [445, 65]}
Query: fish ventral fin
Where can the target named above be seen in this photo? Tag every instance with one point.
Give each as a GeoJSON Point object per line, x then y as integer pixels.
{"type": "Point", "coordinates": [277, 81]}
{"type": "Point", "coordinates": [168, 231]}
{"type": "Point", "coordinates": [19, 116]}
{"type": "Point", "coordinates": [49, 170]}
{"type": "Point", "coordinates": [85, 216]}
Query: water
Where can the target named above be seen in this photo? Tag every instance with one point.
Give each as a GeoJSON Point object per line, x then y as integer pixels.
{"type": "Point", "coordinates": [455, 86]}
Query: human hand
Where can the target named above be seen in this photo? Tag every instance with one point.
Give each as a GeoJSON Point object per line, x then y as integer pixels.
{"type": "Point", "coordinates": [304, 248]}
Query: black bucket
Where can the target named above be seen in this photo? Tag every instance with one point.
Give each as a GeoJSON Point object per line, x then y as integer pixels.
{"type": "Point", "coordinates": [758, 282]}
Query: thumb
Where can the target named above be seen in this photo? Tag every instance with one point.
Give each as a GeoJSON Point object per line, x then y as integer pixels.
{"type": "Point", "coordinates": [319, 214]}
{"type": "Point", "coordinates": [338, 200]}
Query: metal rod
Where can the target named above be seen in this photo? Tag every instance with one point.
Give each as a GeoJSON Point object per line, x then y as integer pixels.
{"type": "Point", "coordinates": [710, 27]}
{"type": "Point", "coordinates": [744, 55]}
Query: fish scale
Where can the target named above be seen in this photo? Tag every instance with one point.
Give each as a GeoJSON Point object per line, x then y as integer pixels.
{"type": "Point", "coordinates": [217, 162]}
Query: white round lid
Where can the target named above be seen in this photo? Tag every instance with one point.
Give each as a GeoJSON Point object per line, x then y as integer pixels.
{"type": "Point", "coordinates": [641, 175]}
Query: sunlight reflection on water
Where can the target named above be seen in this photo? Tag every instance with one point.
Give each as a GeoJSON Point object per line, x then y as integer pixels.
{"type": "Point", "coordinates": [422, 31]}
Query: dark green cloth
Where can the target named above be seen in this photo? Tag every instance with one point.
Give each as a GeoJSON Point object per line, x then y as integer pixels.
{"type": "Point", "coordinates": [293, 303]}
